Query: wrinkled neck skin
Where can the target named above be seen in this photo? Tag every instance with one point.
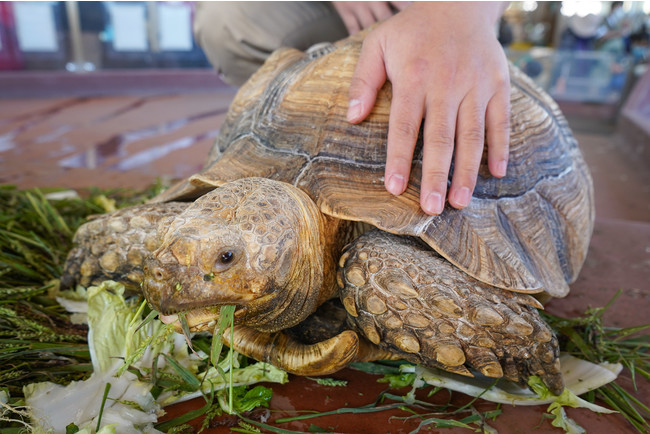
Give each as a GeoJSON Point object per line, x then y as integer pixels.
{"type": "Point", "coordinates": [311, 264]}
{"type": "Point", "coordinates": [259, 244]}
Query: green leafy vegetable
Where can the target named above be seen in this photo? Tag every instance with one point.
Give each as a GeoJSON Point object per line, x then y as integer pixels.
{"type": "Point", "coordinates": [568, 399]}
{"type": "Point", "coordinates": [378, 368]}
{"type": "Point", "coordinates": [329, 382]}
{"type": "Point", "coordinates": [246, 400]}
{"type": "Point", "coordinates": [586, 337]}
{"type": "Point", "coordinates": [40, 341]}
{"type": "Point", "coordinates": [226, 319]}
{"type": "Point", "coordinates": [71, 429]}
{"type": "Point", "coordinates": [101, 409]}
{"type": "Point", "coordinates": [398, 380]}
{"type": "Point", "coordinates": [246, 428]}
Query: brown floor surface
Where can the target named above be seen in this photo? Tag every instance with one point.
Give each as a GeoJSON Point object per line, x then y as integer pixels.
{"type": "Point", "coordinates": [107, 142]}
{"type": "Point", "coordinates": [129, 141]}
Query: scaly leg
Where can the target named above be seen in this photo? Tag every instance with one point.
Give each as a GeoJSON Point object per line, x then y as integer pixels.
{"type": "Point", "coordinates": [407, 299]}
{"type": "Point", "coordinates": [320, 345]}
{"type": "Point", "coordinates": [113, 246]}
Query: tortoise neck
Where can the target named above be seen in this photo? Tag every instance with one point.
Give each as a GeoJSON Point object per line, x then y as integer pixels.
{"type": "Point", "coordinates": [307, 266]}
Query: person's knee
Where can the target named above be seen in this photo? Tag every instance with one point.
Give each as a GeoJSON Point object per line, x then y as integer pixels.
{"type": "Point", "coordinates": [214, 32]}
{"type": "Point", "coordinates": [237, 37]}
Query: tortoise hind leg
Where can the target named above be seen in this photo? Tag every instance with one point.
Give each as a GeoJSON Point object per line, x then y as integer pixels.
{"type": "Point", "coordinates": [113, 246]}
{"type": "Point", "coordinates": [405, 298]}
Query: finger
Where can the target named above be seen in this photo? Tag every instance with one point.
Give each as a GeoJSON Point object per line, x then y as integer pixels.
{"type": "Point", "coordinates": [400, 6]}
{"type": "Point", "coordinates": [470, 140]}
{"type": "Point", "coordinates": [498, 132]}
{"type": "Point", "coordinates": [381, 10]}
{"type": "Point", "coordinates": [365, 15]}
{"type": "Point", "coordinates": [369, 76]}
{"type": "Point", "coordinates": [404, 122]}
{"type": "Point", "coordinates": [350, 21]}
{"type": "Point", "coordinates": [439, 127]}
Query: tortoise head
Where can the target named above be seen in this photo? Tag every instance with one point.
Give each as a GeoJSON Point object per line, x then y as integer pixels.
{"type": "Point", "coordinates": [254, 243]}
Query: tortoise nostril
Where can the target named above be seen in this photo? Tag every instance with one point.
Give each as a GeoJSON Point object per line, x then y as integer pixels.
{"type": "Point", "coordinates": [158, 274]}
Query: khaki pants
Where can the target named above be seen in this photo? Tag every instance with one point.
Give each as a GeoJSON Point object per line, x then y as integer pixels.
{"type": "Point", "coordinates": [237, 37]}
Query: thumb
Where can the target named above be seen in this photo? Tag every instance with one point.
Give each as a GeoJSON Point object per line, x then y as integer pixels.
{"type": "Point", "coordinates": [369, 76]}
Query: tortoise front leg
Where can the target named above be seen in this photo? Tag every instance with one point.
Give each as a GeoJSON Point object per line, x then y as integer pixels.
{"type": "Point", "coordinates": [407, 299]}
{"type": "Point", "coordinates": [113, 246]}
{"type": "Point", "coordinates": [286, 353]}
{"type": "Point", "coordinates": [320, 345]}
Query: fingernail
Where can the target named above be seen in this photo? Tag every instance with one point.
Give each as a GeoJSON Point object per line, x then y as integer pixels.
{"type": "Point", "coordinates": [502, 167]}
{"type": "Point", "coordinates": [433, 203]}
{"type": "Point", "coordinates": [396, 185]}
{"type": "Point", "coordinates": [354, 110]}
{"type": "Point", "coordinates": [462, 196]}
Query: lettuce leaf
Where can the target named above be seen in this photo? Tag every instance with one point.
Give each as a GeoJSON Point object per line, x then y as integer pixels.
{"type": "Point", "coordinates": [53, 406]}
{"type": "Point", "coordinates": [116, 341]}
{"type": "Point", "coordinates": [566, 399]}
{"type": "Point", "coordinates": [579, 376]}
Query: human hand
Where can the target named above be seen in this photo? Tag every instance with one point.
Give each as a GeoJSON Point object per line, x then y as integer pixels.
{"type": "Point", "coordinates": [358, 15]}
{"type": "Point", "coordinates": [446, 66]}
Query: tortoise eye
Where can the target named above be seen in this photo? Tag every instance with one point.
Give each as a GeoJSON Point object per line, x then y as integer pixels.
{"type": "Point", "coordinates": [226, 257]}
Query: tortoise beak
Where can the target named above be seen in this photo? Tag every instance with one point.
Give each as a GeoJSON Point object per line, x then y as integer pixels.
{"type": "Point", "coordinates": [198, 320]}
{"type": "Point", "coordinates": [173, 288]}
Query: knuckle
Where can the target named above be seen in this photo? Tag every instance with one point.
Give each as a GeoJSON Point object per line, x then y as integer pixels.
{"type": "Point", "coordinates": [473, 134]}
{"type": "Point", "coordinates": [503, 126]}
{"type": "Point", "coordinates": [436, 177]}
{"type": "Point", "coordinates": [370, 42]}
{"type": "Point", "coordinates": [440, 136]}
{"type": "Point", "coordinates": [502, 81]}
{"type": "Point", "coordinates": [507, 112]}
{"type": "Point", "coordinates": [359, 82]}
{"type": "Point", "coordinates": [406, 129]}
{"type": "Point", "coordinates": [466, 173]}
{"type": "Point", "coordinates": [440, 144]}
{"type": "Point", "coordinates": [360, 85]}
{"type": "Point", "coordinates": [500, 125]}
{"type": "Point", "coordinates": [447, 78]}
{"type": "Point", "coordinates": [419, 68]}
{"type": "Point", "coordinates": [399, 160]}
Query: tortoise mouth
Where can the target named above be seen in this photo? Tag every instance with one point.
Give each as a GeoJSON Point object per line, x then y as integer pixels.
{"type": "Point", "coordinates": [199, 320]}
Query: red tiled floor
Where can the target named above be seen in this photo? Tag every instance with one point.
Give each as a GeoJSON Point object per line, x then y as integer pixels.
{"type": "Point", "coordinates": [107, 142]}
{"type": "Point", "coordinates": [128, 141]}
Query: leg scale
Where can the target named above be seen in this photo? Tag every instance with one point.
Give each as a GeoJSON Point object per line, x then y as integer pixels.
{"type": "Point", "coordinates": [405, 298]}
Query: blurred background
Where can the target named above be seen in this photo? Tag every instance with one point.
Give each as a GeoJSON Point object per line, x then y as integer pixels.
{"type": "Point", "coordinates": [90, 36]}
{"type": "Point", "coordinates": [582, 51]}
{"type": "Point", "coordinates": [93, 89]}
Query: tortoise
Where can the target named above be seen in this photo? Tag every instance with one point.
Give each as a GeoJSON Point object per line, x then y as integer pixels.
{"type": "Point", "coordinates": [290, 222]}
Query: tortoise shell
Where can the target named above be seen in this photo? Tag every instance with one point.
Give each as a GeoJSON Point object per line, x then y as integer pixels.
{"type": "Point", "coordinates": [527, 232]}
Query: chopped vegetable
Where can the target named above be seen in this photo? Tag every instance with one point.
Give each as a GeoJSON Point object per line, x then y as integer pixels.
{"type": "Point", "coordinates": [329, 382]}
{"type": "Point", "coordinates": [579, 375]}
{"type": "Point", "coordinates": [40, 341]}
{"type": "Point", "coordinates": [114, 335]}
